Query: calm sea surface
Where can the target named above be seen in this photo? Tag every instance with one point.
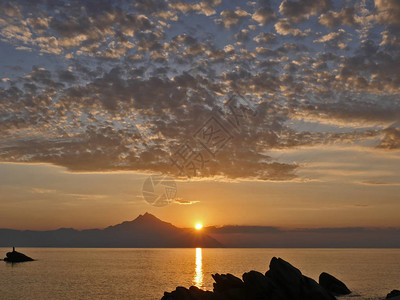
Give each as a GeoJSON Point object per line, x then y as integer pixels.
{"type": "Point", "coordinates": [144, 274]}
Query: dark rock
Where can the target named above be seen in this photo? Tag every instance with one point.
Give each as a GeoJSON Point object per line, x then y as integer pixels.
{"type": "Point", "coordinates": [281, 282]}
{"type": "Point", "coordinates": [15, 256]}
{"type": "Point", "coordinates": [224, 282]}
{"type": "Point", "coordinates": [193, 293]}
{"type": "Point", "coordinates": [293, 284]}
{"type": "Point", "coordinates": [333, 284]}
{"type": "Point", "coordinates": [258, 286]}
{"type": "Point", "coordinates": [311, 290]}
{"type": "Point", "coordinates": [198, 294]}
{"type": "Point", "coordinates": [287, 277]}
{"type": "Point", "coordinates": [392, 294]}
{"type": "Point", "coordinates": [180, 293]}
{"type": "Point", "coordinates": [233, 294]}
{"type": "Point", "coordinates": [228, 286]}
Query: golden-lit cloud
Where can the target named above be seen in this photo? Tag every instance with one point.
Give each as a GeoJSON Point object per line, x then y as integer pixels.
{"type": "Point", "coordinates": [134, 82]}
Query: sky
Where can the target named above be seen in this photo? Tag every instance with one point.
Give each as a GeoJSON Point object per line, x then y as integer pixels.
{"type": "Point", "coordinates": [273, 112]}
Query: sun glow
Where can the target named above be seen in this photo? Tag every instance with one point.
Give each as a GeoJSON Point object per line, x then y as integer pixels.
{"type": "Point", "coordinates": [198, 226]}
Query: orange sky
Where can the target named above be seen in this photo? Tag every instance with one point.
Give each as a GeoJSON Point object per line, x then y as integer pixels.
{"type": "Point", "coordinates": [40, 196]}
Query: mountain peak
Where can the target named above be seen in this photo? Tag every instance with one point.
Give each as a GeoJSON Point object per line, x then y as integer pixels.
{"type": "Point", "coordinates": [147, 216]}
{"type": "Point", "coordinates": [146, 220]}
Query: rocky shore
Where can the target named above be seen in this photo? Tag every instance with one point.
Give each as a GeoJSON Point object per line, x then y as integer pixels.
{"type": "Point", "coordinates": [281, 282]}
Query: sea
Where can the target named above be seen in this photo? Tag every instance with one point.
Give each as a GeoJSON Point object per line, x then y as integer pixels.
{"type": "Point", "coordinates": [144, 274]}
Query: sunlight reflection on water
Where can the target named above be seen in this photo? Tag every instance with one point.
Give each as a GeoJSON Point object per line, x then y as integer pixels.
{"type": "Point", "coordinates": [198, 275]}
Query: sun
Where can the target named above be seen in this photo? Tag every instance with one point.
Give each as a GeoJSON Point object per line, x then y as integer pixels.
{"type": "Point", "coordinates": [198, 226]}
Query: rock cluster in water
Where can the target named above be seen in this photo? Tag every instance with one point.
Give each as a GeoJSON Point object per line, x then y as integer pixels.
{"type": "Point", "coordinates": [16, 256]}
{"type": "Point", "coordinates": [281, 282]}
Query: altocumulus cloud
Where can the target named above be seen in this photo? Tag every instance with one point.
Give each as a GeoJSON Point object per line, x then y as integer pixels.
{"type": "Point", "coordinates": [135, 80]}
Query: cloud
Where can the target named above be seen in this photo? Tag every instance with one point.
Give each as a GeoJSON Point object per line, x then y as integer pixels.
{"type": "Point", "coordinates": [17, 32]}
{"type": "Point", "coordinates": [184, 202]}
{"type": "Point", "coordinates": [265, 38]}
{"type": "Point", "coordinates": [391, 138]}
{"type": "Point", "coordinates": [388, 12]}
{"type": "Point", "coordinates": [242, 35]}
{"type": "Point", "coordinates": [390, 40]}
{"type": "Point", "coordinates": [263, 16]}
{"type": "Point", "coordinates": [379, 183]}
{"type": "Point", "coordinates": [206, 7]}
{"type": "Point", "coordinates": [230, 18]}
{"type": "Point", "coordinates": [335, 40]}
{"type": "Point", "coordinates": [298, 11]}
{"type": "Point", "coordinates": [66, 29]}
{"type": "Point", "coordinates": [285, 27]}
{"type": "Point", "coordinates": [43, 191]}
{"type": "Point", "coordinates": [133, 83]}
{"type": "Point", "coordinates": [335, 19]}
{"type": "Point", "coordinates": [100, 146]}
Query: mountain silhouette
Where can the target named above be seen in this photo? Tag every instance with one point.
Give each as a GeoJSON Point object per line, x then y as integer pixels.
{"type": "Point", "coordinates": [146, 231]}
